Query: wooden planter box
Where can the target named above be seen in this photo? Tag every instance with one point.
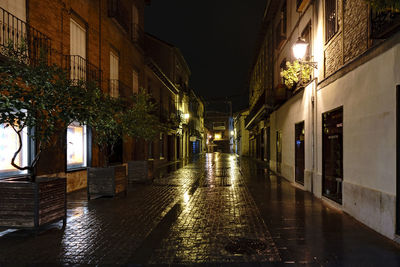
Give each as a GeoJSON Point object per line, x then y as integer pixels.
{"type": "Point", "coordinates": [140, 171]}
{"type": "Point", "coordinates": [24, 204]}
{"type": "Point", "coordinates": [108, 181]}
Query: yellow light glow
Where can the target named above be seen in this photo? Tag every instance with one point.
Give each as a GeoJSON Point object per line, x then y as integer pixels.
{"type": "Point", "coordinates": [299, 49]}
{"type": "Point", "coordinates": [186, 116]}
{"type": "Point", "coordinates": [217, 136]}
{"type": "Point", "coordinates": [232, 133]}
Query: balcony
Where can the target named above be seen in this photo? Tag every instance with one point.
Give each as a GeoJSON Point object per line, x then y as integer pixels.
{"type": "Point", "coordinates": [116, 88]}
{"type": "Point", "coordinates": [16, 32]}
{"type": "Point", "coordinates": [81, 69]}
{"type": "Point", "coordinates": [384, 23]}
{"type": "Point", "coordinates": [119, 13]}
{"type": "Point", "coordinates": [137, 35]}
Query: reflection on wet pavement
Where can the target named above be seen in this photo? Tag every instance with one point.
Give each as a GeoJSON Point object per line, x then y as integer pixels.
{"type": "Point", "coordinates": [218, 215]}
{"type": "Point", "coordinates": [217, 209]}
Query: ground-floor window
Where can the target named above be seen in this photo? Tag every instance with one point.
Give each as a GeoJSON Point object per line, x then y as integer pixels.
{"type": "Point", "coordinates": [150, 148]}
{"type": "Point", "coordinates": [332, 154]}
{"type": "Point", "coordinates": [9, 144]}
{"type": "Point", "coordinates": [76, 146]}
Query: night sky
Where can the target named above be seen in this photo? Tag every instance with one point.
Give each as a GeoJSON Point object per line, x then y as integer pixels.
{"type": "Point", "coordinates": [217, 39]}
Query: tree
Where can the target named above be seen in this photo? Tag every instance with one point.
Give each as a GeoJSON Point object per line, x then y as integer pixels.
{"type": "Point", "coordinates": [35, 95]}
{"type": "Point", "coordinates": [119, 117]}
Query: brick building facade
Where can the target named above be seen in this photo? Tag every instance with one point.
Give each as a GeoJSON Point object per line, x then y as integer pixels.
{"type": "Point", "coordinates": [104, 41]}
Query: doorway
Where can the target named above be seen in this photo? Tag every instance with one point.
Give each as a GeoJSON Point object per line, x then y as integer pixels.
{"type": "Point", "coordinates": [278, 151]}
{"type": "Point", "coordinates": [332, 154]}
{"type": "Point", "coordinates": [299, 153]}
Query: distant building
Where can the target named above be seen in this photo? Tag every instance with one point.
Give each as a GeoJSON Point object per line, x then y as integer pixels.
{"type": "Point", "coordinates": [171, 61]}
{"type": "Point", "coordinates": [220, 125]}
{"type": "Point", "coordinates": [241, 135]}
{"type": "Point", "coordinates": [196, 124]}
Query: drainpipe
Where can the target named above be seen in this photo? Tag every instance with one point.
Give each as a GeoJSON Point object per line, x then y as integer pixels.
{"type": "Point", "coordinates": [314, 108]}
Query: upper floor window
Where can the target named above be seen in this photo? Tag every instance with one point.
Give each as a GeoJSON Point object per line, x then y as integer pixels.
{"type": "Point", "coordinates": [306, 35]}
{"type": "Point", "coordinates": [281, 27]}
{"type": "Point", "coordinates": [135, 81]}
{"type": "Point", "coordinates": [9, 144]}
{"type": "Point", "coordinates": [135, 22]}
{"type": "Point", "coordinates": [77, 51]}
{"type": "Point", "coordinates": [330, 19]}
{"type": "Point", "coordinates": [114, 75]}
{"type": "Point", "coordinates": [76, 146]}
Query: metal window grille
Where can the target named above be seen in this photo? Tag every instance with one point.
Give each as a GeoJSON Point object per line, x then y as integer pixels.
{"type": "Point", "coordinates": [330, 19]}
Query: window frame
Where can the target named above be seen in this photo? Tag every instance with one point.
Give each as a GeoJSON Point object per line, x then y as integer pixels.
{"type": "Point", "coordinates": [28, 147]}
{"type": "Point", "coordinates": [328, 23]}
{"type": "Point", "coordinates": [87, 152]}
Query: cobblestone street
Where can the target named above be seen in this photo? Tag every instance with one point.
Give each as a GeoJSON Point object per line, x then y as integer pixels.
{"type": "Point", "coordinates": [216, 210]}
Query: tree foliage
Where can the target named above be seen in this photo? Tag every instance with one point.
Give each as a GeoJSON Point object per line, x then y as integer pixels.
{"type": "Point", "coordinates": [119, 117]}
{"type": "Point", "coordinates": [41, 97]}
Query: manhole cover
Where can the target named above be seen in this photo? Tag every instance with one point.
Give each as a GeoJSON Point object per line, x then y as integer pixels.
{"type": "Point", "coordinates": [246, 246]}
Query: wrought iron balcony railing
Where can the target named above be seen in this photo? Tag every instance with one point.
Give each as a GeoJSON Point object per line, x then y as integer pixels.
{"type": "Point", "coordinates": [15, 32]}
{"type": "Point", "coordinates": [384, 23]}
{"type": "Point", "coordinates": [117, 11]}
{"type": "Point", "coordinates": [81, 69]}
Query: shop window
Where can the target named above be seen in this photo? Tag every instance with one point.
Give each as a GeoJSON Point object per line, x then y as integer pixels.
{"type": "Point", "coordinates": [330, 19]}
{"type": "Point", "coordinates": [76, 146]}
{"type": "Point", "coordinates": [9, 144]}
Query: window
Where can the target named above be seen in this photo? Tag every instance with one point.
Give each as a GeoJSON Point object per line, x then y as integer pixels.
{"type": "Point", "coordinates": [114, 83]}
{"type": "Point", "coordinates": [330, 19]}
{"type": "Point", "coordinates": [306, 35]}
{"type": "Point", "coordinates": [135, 23]}
{"type": "Point", "coordinates": [77, 51]}
{"type": "Point", "coordinates": [161, 145]}
{"type": "Point", "coordinates": [135, 81]}
{"type": "Point", "coordinates": [9, 144]}
{"type": "Point", "coordinates": [76, 146]}
{"type": "Point", "coordinates": [281, 27]}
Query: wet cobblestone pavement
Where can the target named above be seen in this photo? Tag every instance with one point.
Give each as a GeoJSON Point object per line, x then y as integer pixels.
{"type": "Point", "coordinates": [217, 210]}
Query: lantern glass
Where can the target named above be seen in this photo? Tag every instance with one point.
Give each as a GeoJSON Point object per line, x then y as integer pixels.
{"type": "Point", "coordinates": [299, 49]}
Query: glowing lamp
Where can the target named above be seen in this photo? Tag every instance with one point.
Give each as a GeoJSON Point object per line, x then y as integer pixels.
{"type": "Point", "coordinates": [186, 116]}
{"type": "Point", "coordinates": [299, 48]}
{"type": "Point", "coordinates": [232, 133]}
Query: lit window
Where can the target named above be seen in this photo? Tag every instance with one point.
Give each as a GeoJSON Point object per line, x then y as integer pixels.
{"type": "Point", "coordinates": [76, 146]}
{"type": "Point", "coordinates": [9, 144]}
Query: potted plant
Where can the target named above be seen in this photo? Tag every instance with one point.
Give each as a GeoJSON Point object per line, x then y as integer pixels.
{"type": "Point", "coordinates": [118, 118]}
{"type": "Point", "coordinates": [37, 101]}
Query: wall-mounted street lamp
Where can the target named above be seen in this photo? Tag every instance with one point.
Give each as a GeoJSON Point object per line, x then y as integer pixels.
{"type": "Point", "coordinates": [299, 51]}
{"type": "Point", "coordinates": [186, 116]}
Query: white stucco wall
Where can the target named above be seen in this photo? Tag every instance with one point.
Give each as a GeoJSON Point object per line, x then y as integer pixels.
{"type": "Point", "coordinates": [368, 97]}
{"type": "Point", "coordinates": [296, 110]}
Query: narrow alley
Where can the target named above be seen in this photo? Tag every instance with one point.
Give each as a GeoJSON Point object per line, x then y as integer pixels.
{"type": "Point", "coordinates": [217, 210]}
